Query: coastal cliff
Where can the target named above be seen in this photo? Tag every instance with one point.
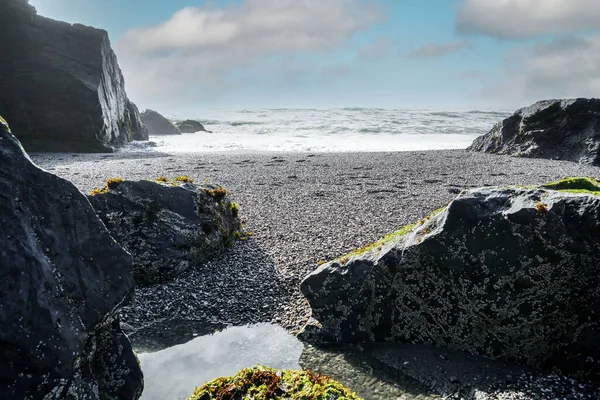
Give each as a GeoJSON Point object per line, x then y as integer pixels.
{"type": "Point", "coordinates": [62, 87]}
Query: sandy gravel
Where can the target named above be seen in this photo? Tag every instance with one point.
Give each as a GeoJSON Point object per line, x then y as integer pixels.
{"type": "Point", "coordinates": [301, 208]}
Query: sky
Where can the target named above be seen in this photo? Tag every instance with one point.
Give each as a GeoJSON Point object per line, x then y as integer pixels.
{"type": "Point", "coordinates": [179, 56]}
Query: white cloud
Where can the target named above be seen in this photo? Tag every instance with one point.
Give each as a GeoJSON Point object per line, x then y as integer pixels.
{"type": "Point", "coordinates": [527, 18]}
{"type": "Point", "coordinates": [566, 67]}
{"type": "Point", "coordinates": [197, 47]}
{"type": "Point", "coordinates": [434, 50]}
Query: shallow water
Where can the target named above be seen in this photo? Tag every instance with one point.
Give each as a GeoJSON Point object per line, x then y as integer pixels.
{"type": "Point", "coordinates": [173, 373]}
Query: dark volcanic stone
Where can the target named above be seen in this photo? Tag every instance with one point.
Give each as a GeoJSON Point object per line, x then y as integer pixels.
{"type": "Point", "coordinates": [554, 129]}
{"type": "Point", "coordinates": [62, 89]}
{"type": "Point", "coordinates": [167, 227]}
{"type": "Point", "coordinates": [158, 125]}
{"type": "Point", "coordinates": [508, 273]}
{"type": "Point", "coordinates": [64, 281]}
{"type": "Point", "coordinates": [191, 126]}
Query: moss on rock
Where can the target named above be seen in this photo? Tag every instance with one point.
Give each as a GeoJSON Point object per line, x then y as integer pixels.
{"type": "Point", "coordinates": [576, 184]}
{"type": "Point", "coordinates": [262, 383]}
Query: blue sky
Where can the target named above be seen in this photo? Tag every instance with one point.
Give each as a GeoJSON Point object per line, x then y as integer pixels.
{"type": "Point", "coordinates": [180, 56]}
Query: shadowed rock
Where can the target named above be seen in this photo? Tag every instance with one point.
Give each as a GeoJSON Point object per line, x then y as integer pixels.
{"type": "Point", "coordinates": [509, 273]}
{"type": "Point", "coordinates": [167, 226]}
{"type": "Point", "coordinates": [158, 125]}
{"type": "Point", "coordinates": [554, 129]}
{"type": "Point", "coordinates": [64, 281]}
{"type": "Point", "coordinates": [62, 89]}
{"type": "Point", "coordinates": [191, 126]}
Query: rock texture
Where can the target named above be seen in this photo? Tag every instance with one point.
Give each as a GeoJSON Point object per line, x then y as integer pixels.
{"type": "Point", "coordinates": [167, 226]}
{"type": "Point", "coordinates": [191, 126]}
{"type": "Point", "coordinates": [158, 125]}
{"type": "Point", "coordinates": [510, 273]}
{"type": "Point", "coordinates": [64, 281]}
{"type": "Point", "coordinates": [62, 89]}
{"type": "Point", "coordinates": [554, 129]}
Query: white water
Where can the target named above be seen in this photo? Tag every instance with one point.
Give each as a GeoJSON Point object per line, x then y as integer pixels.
{"type": "Point", "coordinates": [331, 130]}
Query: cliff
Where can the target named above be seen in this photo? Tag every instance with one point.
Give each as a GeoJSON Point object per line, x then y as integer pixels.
{"type": "Point", "coordinates": [62, 87]}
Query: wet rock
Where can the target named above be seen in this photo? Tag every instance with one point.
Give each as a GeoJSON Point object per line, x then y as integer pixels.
{"type": "Point", "coordinates": [64, 281]}
{"type": "Point", "coordinates": [191, 126]}
{"type": "Point", "coordinates": [509, 273]}
{"type": "Point", "coordinates": [158, 125]}
{"type": "Point", "coordinates": [62, 88]}
{"type": "Point", "coordinates": [554, 129]}
{"type": "Point", "coordinates": [167, 226]}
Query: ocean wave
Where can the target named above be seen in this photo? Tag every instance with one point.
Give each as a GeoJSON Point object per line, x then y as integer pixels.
{"type": "Point", "coordinates": [240, 123]}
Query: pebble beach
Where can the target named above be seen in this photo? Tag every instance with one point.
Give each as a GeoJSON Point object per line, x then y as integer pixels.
{"type": "Point", "coordinates": [302, 209]}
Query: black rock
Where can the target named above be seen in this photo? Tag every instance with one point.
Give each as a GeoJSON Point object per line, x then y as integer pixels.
{"type": "Point", "coordinates": [167, 226]}
{"type": "Point", "coordinates": [554, 129]}
{"type": "Point", "coordinates": [61, 86]}
{"type": "Point", "coordinates": [509, 273]}
{"type": "Point", "coordinates": [191, 126]}
{"type": "Point", "coordinates": [64, 281]}
{"type": "Point", "coordinates": [158, 125]}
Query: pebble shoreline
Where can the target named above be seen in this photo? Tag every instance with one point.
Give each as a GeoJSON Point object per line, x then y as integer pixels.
{"type": "Point", "coordinates": [301, 208]}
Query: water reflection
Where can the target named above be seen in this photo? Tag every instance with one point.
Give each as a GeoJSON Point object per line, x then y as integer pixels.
{"type": "Point", "coordinates": [174, 372]}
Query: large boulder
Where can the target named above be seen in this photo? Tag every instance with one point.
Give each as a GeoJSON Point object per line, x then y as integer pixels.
{"type": "Point", "coordinates": [510, 273]}
{"type": "Point", "coordinates": [191, 126]}
{"type": "Point", "coordinates": [158, 125]}
{"type": "Point", "coordinates": [61, 87]}
{"type": "Point", "coordinates": [554, 129]}
{"type": "Point", "coordinates": [64, 281]}
{"type": "Point", "coordinates": [167, 226]}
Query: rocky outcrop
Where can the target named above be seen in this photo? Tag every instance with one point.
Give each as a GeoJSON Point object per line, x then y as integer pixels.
{"type": "Point", "coordinates": [64, 281]}
{"type": "Point", "coordinates": [62, 89]}
{"type": "Point", "coordinates": [167, 226]}
{"type": "Point", "coordinates": [158, 125]}
{"type": "Point", "coordinates": [509, 273]}
{"type": "Point", "coordinates": [191, 126]}
{"type": "Point", "coordinates": [554, 129]}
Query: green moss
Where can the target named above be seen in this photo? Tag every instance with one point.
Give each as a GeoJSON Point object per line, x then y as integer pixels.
{"type": "Point", "coordinates": [394, 236]}
{"type": "Point", "coordinates": [575, 185]}
{"type": "Point", "coordinates": [234, 209]}
{"type": "Point", "coordinates": [262, 383]}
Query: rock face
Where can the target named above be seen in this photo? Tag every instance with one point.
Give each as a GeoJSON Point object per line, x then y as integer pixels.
{"type": "Point", "coordinates": [158, 125]}
{"type": "Point", "coordinates": [509, 273]}
{"type": "Point", "coordinates": [167, 226]}
{"type": "Point", "coordinates": [62, 89]}
{"type": "Point", "coordinates": [555, 129]}
{"type": "Point", "coordinates": [64, 281]}
{"type": "Point", "coordinates": [191, 126]}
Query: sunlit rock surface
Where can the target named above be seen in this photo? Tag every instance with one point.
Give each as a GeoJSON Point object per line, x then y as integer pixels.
{"type": "Point", "coordinates": [554, 129]}
{"type": "Point", "coordinates": [61, 86]}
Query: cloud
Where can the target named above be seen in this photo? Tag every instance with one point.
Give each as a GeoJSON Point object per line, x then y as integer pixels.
{"type": "Point", "coordinates": [509, 19]}
{"type": "Point", "coordinates": [435, 50]}
{"type": "Point", "coordinates": [199, 47]}
{"type": "Point", "coordinates": [565, 67]}
{"type": "Point", "coordinates": [374, 51]}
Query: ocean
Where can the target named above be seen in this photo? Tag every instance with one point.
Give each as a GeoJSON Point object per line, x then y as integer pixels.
{"type": "Point", "coordinates": [330, 130]}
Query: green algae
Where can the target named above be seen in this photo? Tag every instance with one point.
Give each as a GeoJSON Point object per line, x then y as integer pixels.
{"type": "Point", "coordinates": [263, 383]}
{"type": "Point", "coordinates": [578, 184]}
{"type": "Point", "coordinates": [390, 237]}
{"type": "Point", "coordinates": [394, 236]}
